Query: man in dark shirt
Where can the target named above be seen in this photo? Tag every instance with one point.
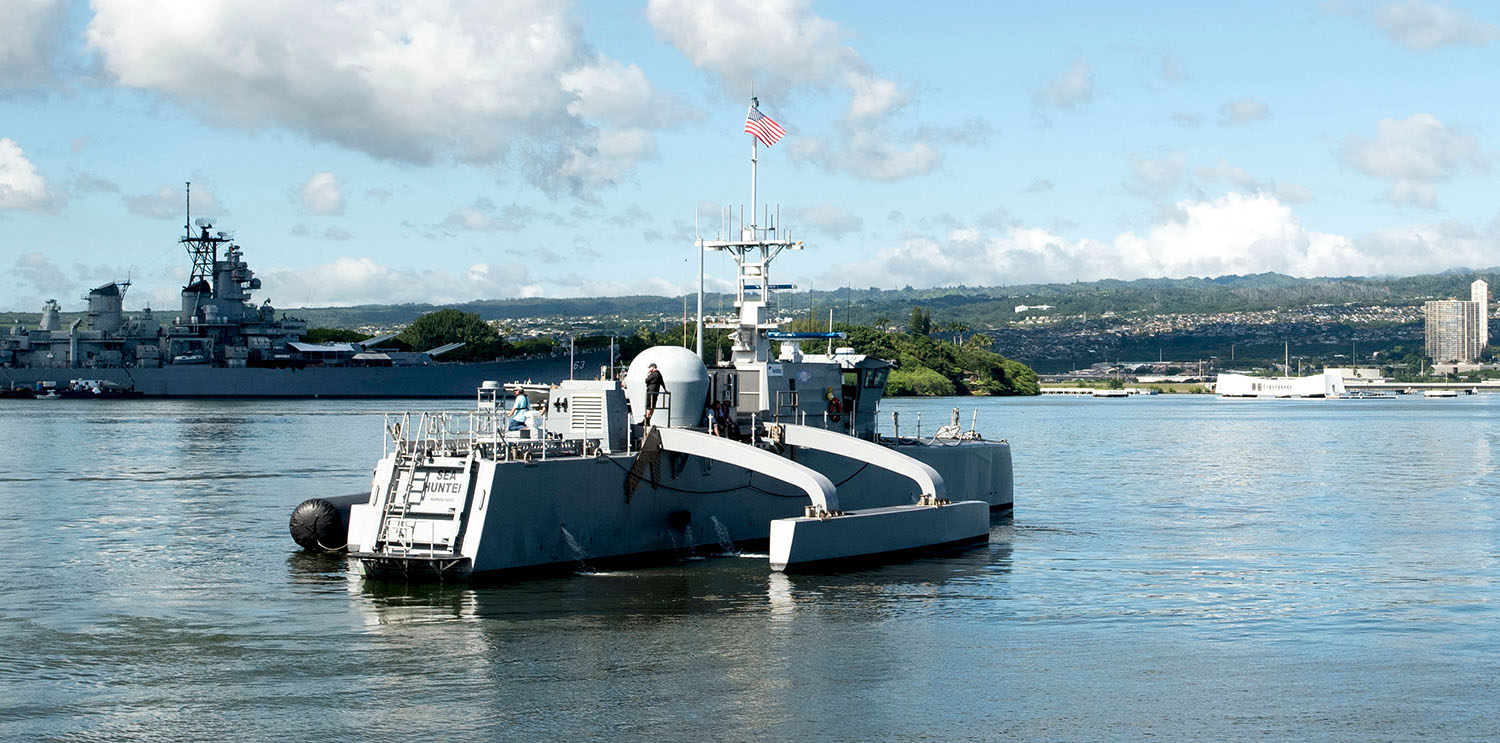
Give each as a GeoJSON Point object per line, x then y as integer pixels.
{"type": "Point", "coordinates": [654, 386]}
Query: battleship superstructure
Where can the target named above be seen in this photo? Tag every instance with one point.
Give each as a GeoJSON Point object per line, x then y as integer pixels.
{"type": "Point", "coordinates": [221, 344]}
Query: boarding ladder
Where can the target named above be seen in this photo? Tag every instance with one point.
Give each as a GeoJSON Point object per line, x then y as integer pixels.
{"type": "Point", "coordinates": [398, 531]}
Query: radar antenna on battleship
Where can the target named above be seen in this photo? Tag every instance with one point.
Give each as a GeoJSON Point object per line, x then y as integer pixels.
{"type": "Point", "coordinates": [203, 247]}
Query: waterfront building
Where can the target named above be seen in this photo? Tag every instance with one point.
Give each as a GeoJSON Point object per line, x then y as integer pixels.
{"type": "Point", "coordinates": [1328, 384]}
{"type": "Point", "coordinates": [1479, 293]}
{"type": "Point", "coordinates": [1458, 330]}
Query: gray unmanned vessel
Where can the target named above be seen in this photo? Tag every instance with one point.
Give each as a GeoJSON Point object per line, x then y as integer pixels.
{"type": "Point", "coordinates": [220, 344]}
{"type": "Point", "coordinates": [776, 449]}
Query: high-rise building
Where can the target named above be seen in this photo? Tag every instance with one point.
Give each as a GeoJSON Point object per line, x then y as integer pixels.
{"type": "Point", "coordinates": [1479, 292]}
{"type": "Point", "coordinates": [1458, 330]}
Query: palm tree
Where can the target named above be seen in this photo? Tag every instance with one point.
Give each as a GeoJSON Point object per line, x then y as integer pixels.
{"type": "Point", "coordinates": [957, 329]}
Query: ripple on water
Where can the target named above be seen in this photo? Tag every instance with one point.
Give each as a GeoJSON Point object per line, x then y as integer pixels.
{"type": "Point", "coordinates": [1175, 568]}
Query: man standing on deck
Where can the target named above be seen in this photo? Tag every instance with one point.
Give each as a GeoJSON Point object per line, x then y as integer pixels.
{"type": "Point", "coordinates": [655, 385]}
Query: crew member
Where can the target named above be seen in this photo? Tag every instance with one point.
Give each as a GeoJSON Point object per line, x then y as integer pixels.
{"type": "Point", "coordinates": [655, 385]}
{"type": "Point", "coordinates": [518, 410]}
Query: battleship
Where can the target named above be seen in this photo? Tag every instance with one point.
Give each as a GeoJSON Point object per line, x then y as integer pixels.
{"type": "Point", "coordinates": [778, 448]}
{"type": "Point", "coordinates": [220, 344]}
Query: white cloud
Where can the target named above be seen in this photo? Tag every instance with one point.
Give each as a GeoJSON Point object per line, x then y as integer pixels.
{"type": "Point", "coordinates": [1070, 88]}
{"type": "Point", "coordinates": [483, 216]}
{"type": "Point", "coordinates": [34, 276]}
{"type": "Point", "coordinates": [322, 195]}
{"type": "Point", "coordinates": [29, 45]}
{"type": "Point", "coordinates": [22, 188]}
{"type": "Point", "coordinates": [1243, 111]}
{"type": "Point", "coordinates": [620, 95]}
{"type": "Point", "coordinates": [776, 44]}
{"type": "Point", "coordinates": [1154, 177]}
{"type": "Point", "coordinates": [350, 281]}
{"type": "Point", "coordinates": [169, 202]}
{"type": "Point", "coordinates": [873, 97]}
{"type": "Point", "coordinates": [420, 81]}
{"type": "Point", "coordinates": [829, 219]}
{"type": "Point", "coordinates": [1423, 26]}
{"type": "Point", "coordinates": [870, 155]}
{"type": "Point", "coordinates": [582, 169]}
{"type": "Point", "coordinates": [90, 183]}
{"type": "Point", "coordinates": [1413, 154]}
{"type": "Point", "coordinates": [1224, 172]}
{"type": "Point", "coordinates": [781, 45]}
{"type": "Point", "coordinates": [1232, 234]}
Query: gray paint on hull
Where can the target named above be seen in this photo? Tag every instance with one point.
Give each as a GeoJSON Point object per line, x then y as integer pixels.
{"type": "Point", "coordinates": [521, 511]}
{"type": "Point", "coordinates": [433, 381]}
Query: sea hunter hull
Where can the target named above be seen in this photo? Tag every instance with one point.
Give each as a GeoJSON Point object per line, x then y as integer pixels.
{"type": "Point", "coordinates": [494, 519]}
{"type": "Point", "coordinates": [425, 381]}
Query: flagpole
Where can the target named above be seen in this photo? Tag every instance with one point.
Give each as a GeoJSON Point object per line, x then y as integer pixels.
{"type": "Point", "coordinates": [754, 150]}
{"type": "Point", "coordinates": [699, 244]}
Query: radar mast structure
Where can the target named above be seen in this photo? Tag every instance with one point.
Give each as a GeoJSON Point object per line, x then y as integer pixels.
{"type": "Point", "coordinates": [203, 248]}
{"type": "Point", "coordinates": [753, 252]}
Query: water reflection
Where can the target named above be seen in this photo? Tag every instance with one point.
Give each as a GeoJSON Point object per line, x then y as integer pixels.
{"type": "Point", "coordinates": [698, 587]}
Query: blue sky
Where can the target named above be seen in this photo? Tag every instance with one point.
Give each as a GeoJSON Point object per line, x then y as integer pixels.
{"type": "Point", "coordinates": [440, 151]}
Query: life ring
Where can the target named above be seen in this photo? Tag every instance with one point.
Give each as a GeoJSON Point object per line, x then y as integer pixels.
{"type": "Point", "coordinates": [835, 409]}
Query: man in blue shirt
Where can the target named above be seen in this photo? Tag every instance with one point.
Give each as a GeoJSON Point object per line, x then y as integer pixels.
{"type": "Point", "coordinates": [518, 409]}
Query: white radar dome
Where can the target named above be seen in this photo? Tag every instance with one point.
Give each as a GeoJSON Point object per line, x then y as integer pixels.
{"type": "Point", "coordinates": [686, 382]}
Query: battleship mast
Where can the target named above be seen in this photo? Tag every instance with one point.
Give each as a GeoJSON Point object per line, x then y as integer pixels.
{"type": "Point", "coordinates": [204, 248]}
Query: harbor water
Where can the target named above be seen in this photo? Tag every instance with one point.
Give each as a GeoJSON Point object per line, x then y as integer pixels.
{"type": "Point", "coordinates": [1177, 568]}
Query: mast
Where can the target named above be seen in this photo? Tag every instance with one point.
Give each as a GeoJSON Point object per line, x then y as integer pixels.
{"type": "Point", "coordinates": [754, 151]}
{"type": "Point", "coordinates": [699, 333]}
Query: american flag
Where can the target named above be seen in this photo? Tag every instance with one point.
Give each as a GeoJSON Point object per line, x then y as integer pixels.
{"type": "Point", "coordinates": [764, 129]}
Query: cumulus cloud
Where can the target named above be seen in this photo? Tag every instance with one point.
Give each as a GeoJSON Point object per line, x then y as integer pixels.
{"type": "Point", "coordinates": [1424, 26]}
{"type": "Point", "coordinates": [870, 155]}
{"type": "Point", "coordinates": [1243, 111]}
{"type": "Point", "coordinates": [349, 281]}
{"type": "Point", "coordinates": [620, 94]}
{"type": "Point", "coordinates": [829, 219]}
{"type": "Point", "coordinates": [34, 273]}
{"type": "Point", "coordinates": [1232, 234]}
{"type": "Point", "coordinates": [422, 81]}
{"type": "Point", "coordinates": [782, 45]}
{"type": "Point", "coordinates": [34, 34]}
{"type": "Point", "coordinates": [873, 97]}
{"type": "Point", "coordinates": [1413, 154]}
{"type": "Point", "coordinates": [34, 278]}
{"type": "Point", "coordinates": [22, 188]}
{"type": "Point", "coordinates": [169, 202]}
{"type": "Point", "coordinates": [89, 183]}
{"type": "Point", "coordinates": [777, 44]}
{"type": "Point", "coordinates": [1154, 177]}
{"type": "Point", "coordinates": [1068, 89]}
{"type": "Point", "coordinates": [484, 216]}
{"type": "Point", "coordinates": [322, 195]}
{"type": "Point", "coordinates": [1224, 172]}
